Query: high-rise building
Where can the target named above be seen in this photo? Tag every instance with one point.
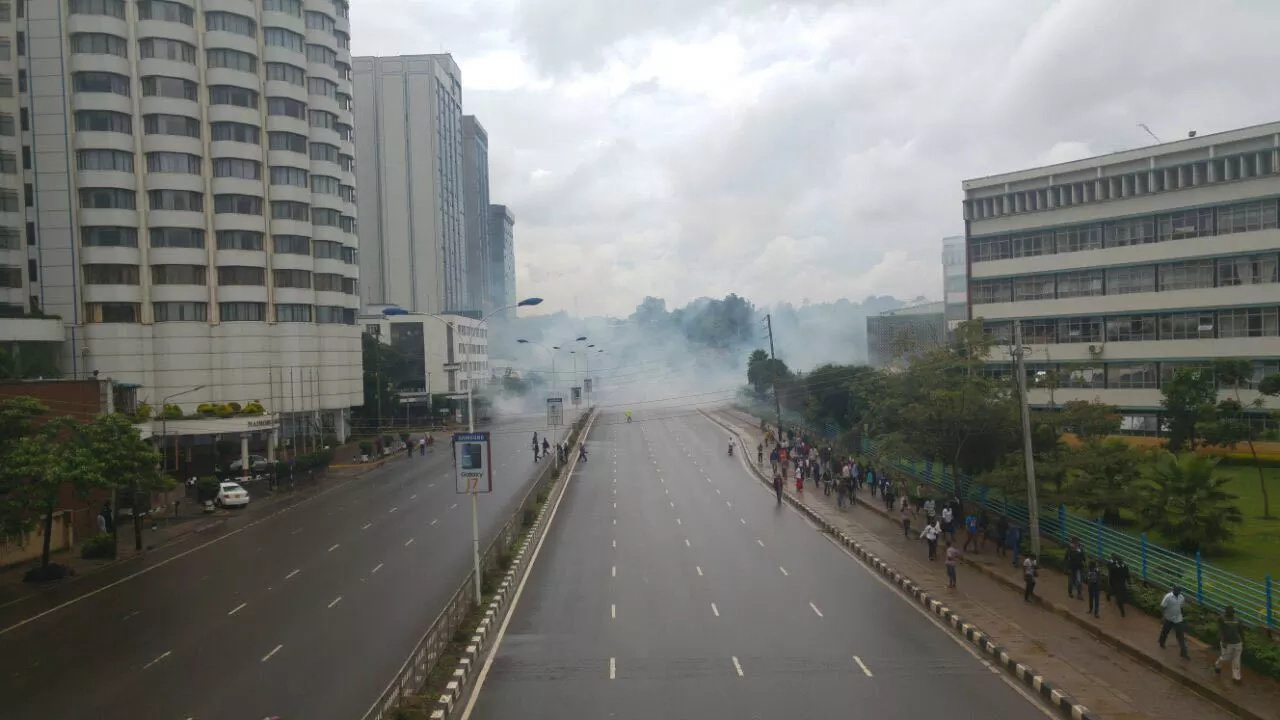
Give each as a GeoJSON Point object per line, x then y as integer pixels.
{"type": "Point", "coordinates": [475, 184]}
{"type": "Point", "coordinates": [1126, 267]}
{"type": "Point", "coordinates": [502, 258]}
{"type": "Point", "coordinates": [895, 336]}
{"type": "Point", "coordinates": [955, 279]}
{"type": "Point", "coordinates": [15, 295]}
{"type": "Point", "coordinates": [409, 144]}
{"type": "Point", "coordinates": [189, 182]}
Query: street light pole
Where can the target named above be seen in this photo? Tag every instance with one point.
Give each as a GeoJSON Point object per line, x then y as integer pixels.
{"type": "Point", "coordinates": [1033, 505]}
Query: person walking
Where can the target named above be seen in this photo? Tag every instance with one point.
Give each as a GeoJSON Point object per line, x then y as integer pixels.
{"type": "Point", "coordinates": [1002, 535]}
{"type": "Point", "coordinates": [931, 533]}
{"type": "Point", "coordinates": [1118, 581]}
{"type": "Point", "coordinates": [1093, 579]}
{"type": "Point", "coordinates": [1231, 641]}
{"type": "Point", "coordinates": [971, 532]}
{"type": "Point", "coordinates": [1029, 572]}
{"type": "Point", "coordinates": [1073, 560]}
{"type": "Point", "coordinates": [777, 486]}
{"type": "Point", "coordinates": [951, 559]}
{"type": "Point", "coordinates": [799, 481]}
{"type": "Point", "coordinates": [948, 522]}
{"type": "Point", "coordinates": [1171, 610]}
{"type": "Point", "coordinates": [546, 447]}
{"type": "Point", "coordinates": [905, 515]}
{"type": "Point", "coordinates": [760, 453]}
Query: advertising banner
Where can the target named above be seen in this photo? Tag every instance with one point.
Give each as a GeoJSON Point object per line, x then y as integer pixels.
{"type": "Point", "coordinates": [472, 461]}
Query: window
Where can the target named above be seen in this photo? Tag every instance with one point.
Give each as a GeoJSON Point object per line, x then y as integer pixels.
{"type": "Point", "coordinates": [107, 199]}
{"type": "Point", "coordinates": [344, 101]}
{"type": "Point", "coordinates": [322, 55]}
{"type": "Point", "coordinates": [103, 121]}
{"type": "Point", "coordinates": [1248, 322]}
{"type": "Point", "coordinates": [348, 193]}
{"type": "Point", "coordinates": [322, 119]}
{"type": "Point", "coordinates": [324, 151]}
{"type": "Point", "coordinates": [179, 274]}
{"type": "Point", "coordinates": [1081, 283]}
{"type": "Point", "coordinates": [24, 118]}
{"type": "Point", "coordinates": [180, 311]}
{"type": "Point", "coordinates": [172, 162]}
{"type": "Point", "coordinates": [1081, 376]}
{"type": "Point", "coordinates": [10, 239]}
{"type": "Point", "coordinates": [241, 275]}
{"type": "Point", "coordinates": [22, 80]}
{"type": "Point", "coordinates": [232, 60]}
{"type": "Point", "coordinates": [283, 38]}
{"type": "Point", "coordinates": [242, 312]}
{"type": "Point", "coordinates": [26, 157]}
{"type": "Point", "coordinates": [108, 236]}
{"type": "Point", "coordinates": [1080, 330]}
{"type": "Point", "coordinates": [991, 291]}
{"type": "Point", "coordinates": [1075, 239]}
{"type": "Point", "coordinates": [1186, 275]}
{"type": "Point", "coordinates": [326, 217]}
{"type": "Point", "coordinates": [292, 142]}
{"type": "Point", "coordinates": [171, 87]}
{"type": "Point", "coordinates": [1039, 332]}
{"type": "Point", "coordinates": [347, 162]}
{"type": "Point", "coordinates": [331, 315]}
{"type": "Point", "coordinates": [9, 198]}
{"type": "Point", "coordinates": [290, 210]}
{"type": "Point", "coordinates": [1126, 280]}
{"type": "Point", "coordinates": [1187, 224]}
{"type": "Point", "coordinates": [287, 73]}
{"type": "Point", "coordinates": [6, 49]}
{"type": "Point", "coordinates": [230, 22]}
{"type": "Point", "coordinates": [322, 86]}
{"type": "Point", "coordinates": [344, 40]}
{"type": "Point", "coordinates": [166, 10]}
{"type": "Point", "coordinates": [344, 70]}
{"type": "Point", "coordinates": [171, 125]}
{"type": "Point", "coordinates": [10, 277]}
{"type": "Point", "coordinates": [291, 279]}
{"type": "Point", "coordinates": [1247, 270]}
{"type": "Point", "coordinates": [111, 274]}
{"type": "Point", "coordinates": [118, 160]}
{"type": "Point", "coordinates": [325, 185]}
{"type": "Point", "coordinates": [293, 313]}
{"type": "Point", "coordinates": [1124, 328]}
{"type": "Point", "coordinates": [1031, 244]}
{"type": "Point", "coordinates": [1135, 231]}
{"type": "Point", "coordinates": [347, 133]}
{"type": "Point", "coordinates": [288, 7]}
{"type": "Point", "coordinates": [239, 240]}
{"type": "Point", "coordinates": [102, 82]}
{"type": "Point", "coordinates": [235, 132]}
{"type": "Point", "coordinates": [1135, 375]}
{"type": "Point", "coordinates": [328, 250]}
{"type": "Point", "coordinates": [96, 44]}
{"type": "Point", "coordinates": [237, 168]}
{"type": "Point", "coordinates": [350, 286]}
{"type": "Point", "coordinates": [232, 95]}
{"type": "Point", "coordinates": [237, 204]}
{"type": "Point", "coordinates": [1187, 326]}
{"type": "Point", "coordinates": [1035, 287]}
{"type": "Point", "coordinates": [166, 49]}
{"type": "Point", "coordinates": [341, 8]}
{"type": "Point", "coordinates": [291, 244]}
{"type": "Point", "coordinates": [176, 200]}
{"type": "Point", "coordinates": [1170, 369]}
{"type": "Point", "coordinates": [1247, 217]}
{"type": "Point", "coordinates": [287, 107]}
{"type": "Point", "coordinates": [112, 312]}
{"type": "Point", "coordinates": [177, 237]}
{"type": "Point", "coordinates": [31, 234]}
{"type": "Point", "coordinates": [6, 87]}
{"type": "Point", "coordinates": [319, 21]}
{"type": "Point", "coordinates": [329, 281]}
{"type": "Point", "coordinates": [8, 127]}
{"type": "Point", "coordinates": [22, 40]}
{"type": "Point", "coordinates": [992, 248]}
{"type": "Point", "coordinates": [9, 163]}
{"type": "Point", "coordinates": [282, 175]}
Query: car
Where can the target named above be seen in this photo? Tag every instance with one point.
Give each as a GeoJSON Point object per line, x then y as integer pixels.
{"type": "Point", "coordinates": [231, 495]}
{"type": "Point", "coordinates": [256, 462]}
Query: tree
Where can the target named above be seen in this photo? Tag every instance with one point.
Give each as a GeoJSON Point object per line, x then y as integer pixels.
{"type": "Point", "coordinates": [1189, 397]}
{"type": "Point", "coordinates": [763, 372]}
{"type": "Point", "coordinates": [1090, 421]}
{"type": "Point", "coordinates": [123, 459]}
{"type": "Point", "coordinates": [1104, 477]}
{"type": "Point", "coordinates": [1185, 502]}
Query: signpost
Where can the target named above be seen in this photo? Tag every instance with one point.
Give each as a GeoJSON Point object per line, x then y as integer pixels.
{"type": "Point", "coordinates": [576, 394]}
{"type": "Point", "coordinates": [555, 411]}
{"type": "Point", "coordinates": [586, 385]}
{"type": "Point", "coordinates": [472, 459]}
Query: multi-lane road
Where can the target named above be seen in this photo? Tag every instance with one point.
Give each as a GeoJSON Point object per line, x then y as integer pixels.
{"type": "Point", "coordinates": [671, 585]}
{"type": "Point", "coordinates": [306, 613]}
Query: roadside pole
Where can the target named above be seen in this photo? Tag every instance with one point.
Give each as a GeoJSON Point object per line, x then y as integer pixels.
{"type": "Point", "coordinates": [1033, 506]}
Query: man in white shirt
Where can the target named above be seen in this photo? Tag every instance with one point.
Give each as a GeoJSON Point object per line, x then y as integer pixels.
{"type": "Point", "coordinates": [1171, 610]}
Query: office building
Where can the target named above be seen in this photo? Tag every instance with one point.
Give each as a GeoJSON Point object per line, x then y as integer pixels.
{"type": "Point", "coordinates": [409, 147]}
{"type": "Point", "coordinates": [955, 280]}
{"type": "Point", "coordinates": [502, 259]}
{"type": "Point", "coordinates": [475, 193]}
{"type": "Point", "coordinates": [894, 336]}
{"type": "Point", "coordinates": [1125, 267]}
{"type": "Point", "coordinates": [445, 354]}
{"type": "Point", "coordinates": [188, 201]}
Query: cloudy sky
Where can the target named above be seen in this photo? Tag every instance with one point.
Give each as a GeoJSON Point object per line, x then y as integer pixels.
{"type": "Point", "coordinates": [804, 149]}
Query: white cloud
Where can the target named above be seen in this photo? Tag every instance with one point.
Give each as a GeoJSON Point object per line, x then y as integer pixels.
{"type": "Point", "coordinates": [803, 149]}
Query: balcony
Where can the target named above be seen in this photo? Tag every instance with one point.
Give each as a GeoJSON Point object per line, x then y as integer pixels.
{"type": "Point", "coordinates": [32, 329]}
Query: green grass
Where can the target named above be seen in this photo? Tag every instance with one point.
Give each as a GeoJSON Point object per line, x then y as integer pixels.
{"type": "Point", "coordinates": [1255, 551]}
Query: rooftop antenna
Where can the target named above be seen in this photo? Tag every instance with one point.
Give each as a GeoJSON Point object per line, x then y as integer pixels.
{"type": "Point", "coordinates": [1153, 135]}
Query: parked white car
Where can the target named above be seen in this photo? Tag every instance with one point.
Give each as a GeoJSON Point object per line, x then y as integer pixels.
{"type": "Point", "coordinates": [231, 495]}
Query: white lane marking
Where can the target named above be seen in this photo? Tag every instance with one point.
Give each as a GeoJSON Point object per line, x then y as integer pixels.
{"type": "Point", "coordinates": [394, 509]}
{"type": "Point", "coordinates": [413, 497]}
{"type": "Point", "coordinates": [678, 521]}
{"type": "Point", "coordinates": [367, 526]}
{"type": "Point", "coordinates": [737, 665]}
{"type": "Point", "coordinates": [742, 520]}
{"type": "Point", "coordinates": [376, 568]}
{"type": "Point", "coordinates": [614, 573]}
{"type": "Point", "coordinates": [784, 570]}
{"type": "Point", "coordinates": [431, 485]}
{"type": "Point", "coordinates": [686, 543]}
{"type": "Point", "coordinates": [666, 491]}
{"type": "Point", "coordinates": [615, 543]}
{"type": "Point", "coordinates": [613, 668]}
{"type": "Point", "coordinates": [163, 655]}
{"type": "Point", "coordinates": [613, 611]}
{"type": "Point", "coordinates": [865, 670]}
{"type": "Point", "coordinates": [715, 610]}
{"type": "Point", "coordinates": [726, 502]}
{"type": "Point", "coordinates": [615, 506]}
{"type": "Point", "coordinates": [615, 521]}
{"type": "Point", "coordinates": [433, 522]}
{"type": "Point", "coordinates": [335, 601]}
{"type": "Point", "coordinates": [816, 610]}
{"type": "Point", "coordinates": [237, 608]}
{"type": "Point", "coordinates": [126, 617]}
{"type": "Point", "coordinates": [453, 506]}
{"type": "Point", "coordinates": [699, 569]}
{"type": "Point", "coordinates": [717, 491]}
{"type": "Point", "coordinates": [759, 542]}
{"type": "Point", "coordinates": [408, 542]}
{"type": "Point", "coordinates": [295, 572]}
{"type": "Point", "coordinates": [662, 480]}
{"type": "Point", "coordinates": [672, 504]}
{"type": "Point", "coordinates": [335, 547]}
{"type": "Point", "coordinates": [274, 650]}
{"type": "Point", "coordinates": [295, 532]}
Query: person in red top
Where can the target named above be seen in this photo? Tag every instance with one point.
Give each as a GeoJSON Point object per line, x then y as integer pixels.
{"type": "Point", "coordinates": [799, 481]}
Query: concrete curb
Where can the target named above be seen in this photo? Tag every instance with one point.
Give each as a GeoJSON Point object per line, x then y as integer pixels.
{"type": "Point", "coordinates": [1055, 697]}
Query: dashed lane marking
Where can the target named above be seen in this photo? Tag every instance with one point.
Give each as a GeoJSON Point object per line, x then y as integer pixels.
{"type": "Point", "coordinates": [686, 543]}
{"type": "Point", "coordinates": [613, 611]}
{"type": "Point", "coordinates": [865, 670]}
{"type": "Point", "coordinates": [336, 601]}
{"type": "Point", "coordinates": [433, 522]}
{"type": "Point", "coordinates": [408, 542]}
{"type": "Point", "coordinates": [367, 526]}
{"type": "Point", "coordinates": [759, 542]}
{"type": "Point", "coordinates": [737, 665]}
{"type": "Point", "coordinates": [335, 547]}
{"type": "Point", "coordinates": [816, 610]}
{"type": "Point", "coordinates": [295, 572]}
{"type": "Point", "coordinates": [715, 610]}
{"type": "Point", "coordinates": [784, 570]}
{"type": "Point", "coordinates": [613, 668]}
{"type": "Point", "coordinates": [163, 655]}
{"type": "Point", "coordinates": [237, 608]}
{"type": "Point", "coordinates": [699, 569]}
{"type": "Point", "coordinates": [274, 650]}
{"type": "Point", "coordinates": [376, 568]}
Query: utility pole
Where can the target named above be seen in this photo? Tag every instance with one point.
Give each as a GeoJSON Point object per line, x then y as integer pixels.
{"type": "Point", "coordinates": [777, 401]}
{"type": "Point", "coordinates": [1019, 352]}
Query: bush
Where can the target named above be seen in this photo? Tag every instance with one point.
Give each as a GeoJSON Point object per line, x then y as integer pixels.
{"type": "Point", "coordinates": [206, 488]}
{"type": "Point", "coordinates": [223, 410]}
{"type": "Point", "coordinates": [387, 440]}
{"type": "Point", "coordinates": [171, 412]}
{"type": "Point", "coordinates": [253, 408]}
{"type": "Point", "coordinates": [366, 447]}
{"type": "Point", "coordinates": [404, 438]}
{"type": "Point", "coordinates": [235, 407]}
{"type": "Point", "coordinates": [206, 409]}
{"type": "Point", "coordinates": [142, 413]}
{"type": "Point", "coordinates": [102, 545]}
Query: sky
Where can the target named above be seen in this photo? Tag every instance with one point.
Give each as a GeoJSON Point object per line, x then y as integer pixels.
{"type": "Point", "coordinates": [804, 150]}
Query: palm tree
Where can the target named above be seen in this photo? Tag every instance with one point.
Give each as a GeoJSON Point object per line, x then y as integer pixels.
{"type": "Point", "coordinates": [1185, 502]}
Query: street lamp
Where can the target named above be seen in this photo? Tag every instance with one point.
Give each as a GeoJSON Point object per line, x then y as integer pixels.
{"type": "Point", "coordinates": [550, 354]}
{"type": "Point", "coordinates": [164, 424]}
{"type": "Point", "coordinates": [1019, 351]}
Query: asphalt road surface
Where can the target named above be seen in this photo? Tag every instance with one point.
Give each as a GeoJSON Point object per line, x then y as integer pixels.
{"type": "Point", "coordinates": [671, 585]}
{"type": "Point", "coordinates": [306, 614]}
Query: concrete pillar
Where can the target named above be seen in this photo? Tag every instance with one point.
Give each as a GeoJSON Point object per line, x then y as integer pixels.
{"type": "Point", "coordinates": [271, 445]}
{"type": "Point", "coordinates": [244, 457]}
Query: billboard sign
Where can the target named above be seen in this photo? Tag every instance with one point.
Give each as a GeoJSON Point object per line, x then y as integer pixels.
{"type": "Point", "coordinates": [472, 461]}
{"type": "Point", "coordinates": [576, 394]}
{"type": "Point", "coordinates": [586, 385]}
{"type": "Point", "coordinates": [555, 411]}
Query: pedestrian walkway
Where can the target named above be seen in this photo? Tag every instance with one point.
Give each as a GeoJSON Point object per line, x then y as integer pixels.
{"type": "Point", "coordinates": [1106, 664]}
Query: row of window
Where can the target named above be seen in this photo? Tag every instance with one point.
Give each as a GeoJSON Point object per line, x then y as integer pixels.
{"type": "Point", "coordinates": [177, 237]}
{"type": "Point", "coordinates": [1184, 224]}
{"type": "Point", "coordinates": [1196, 325]}
{"type": "Point", "coordinates": [1183, 275]}
{"type": "Point", "coordinates": [124, 274]}
{"type": "Point", "coordinates": [186, 163]}
{"type": "Point", "coordinates": [1122, 375]}
{"type": "Point", "coordinates": [124, 312]}
{"type": "Point", "coordinates": [223, 203]}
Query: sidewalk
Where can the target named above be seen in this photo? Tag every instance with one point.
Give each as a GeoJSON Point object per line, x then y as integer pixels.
{"type": "Point", "coordinates": [1056, 637]}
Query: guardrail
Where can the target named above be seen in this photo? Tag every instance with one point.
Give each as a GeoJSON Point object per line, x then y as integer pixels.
{"type": "Point", "coordinates": [426, 654]}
